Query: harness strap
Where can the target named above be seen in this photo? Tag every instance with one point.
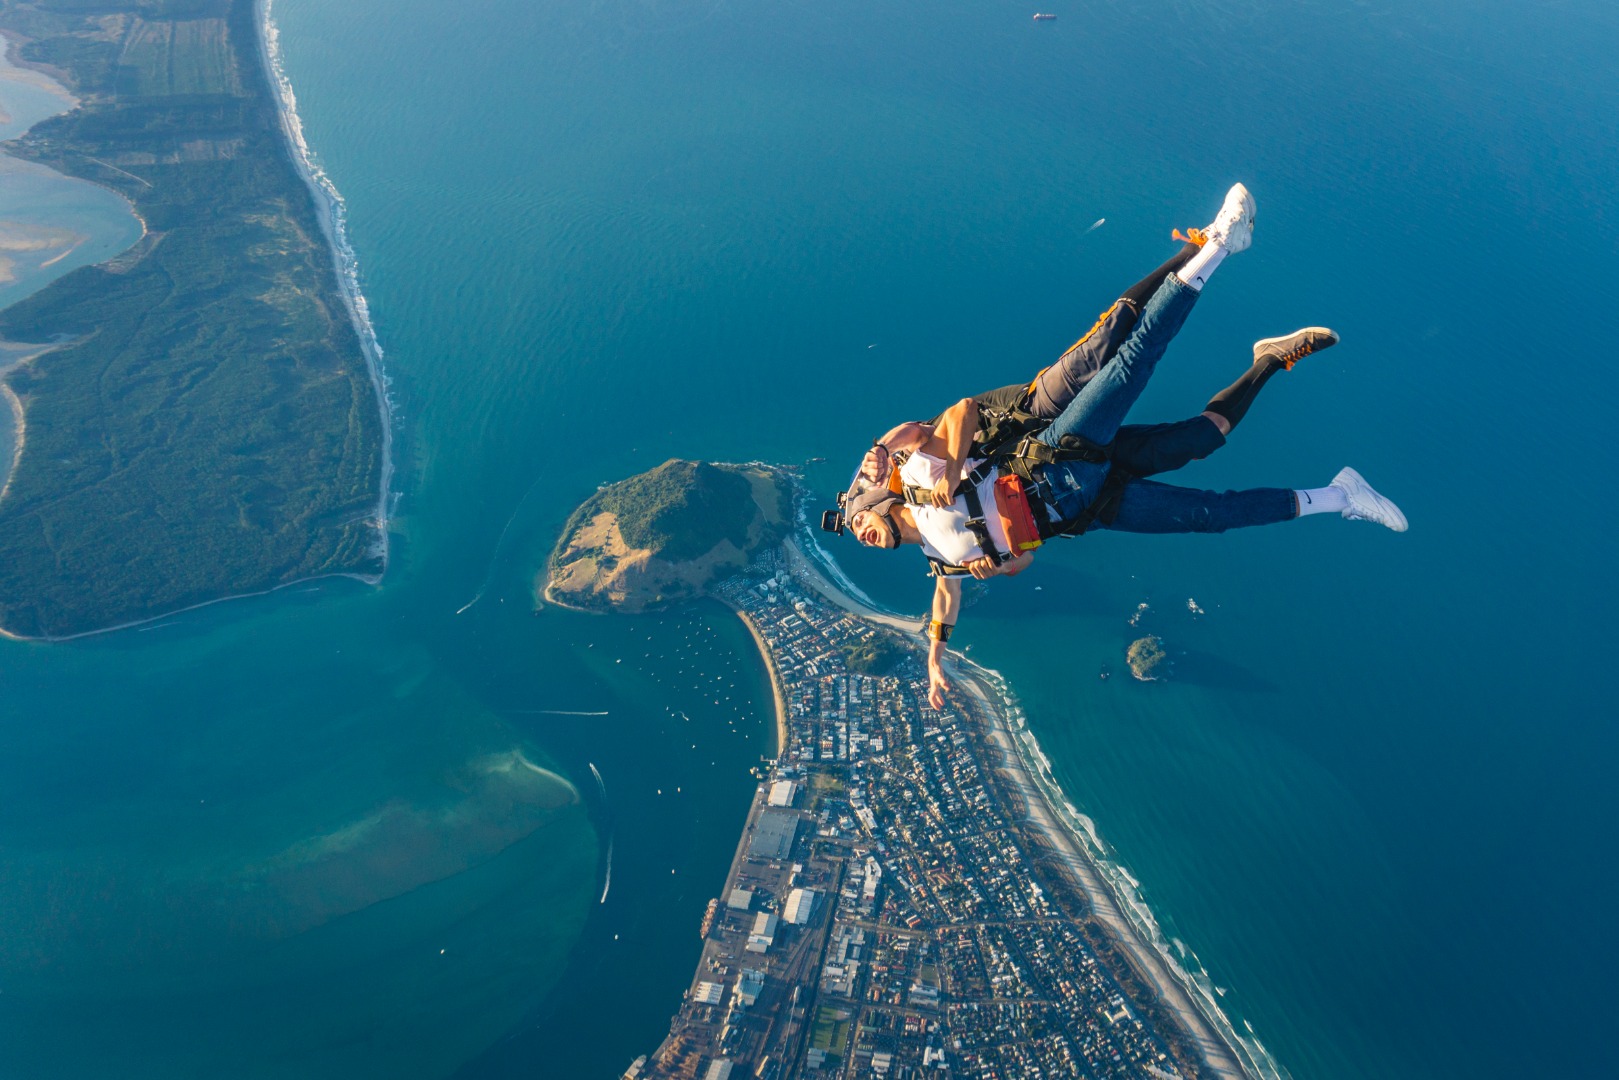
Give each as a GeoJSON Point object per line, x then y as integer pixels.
{"type": "Point", "coordinates": [975, 520]}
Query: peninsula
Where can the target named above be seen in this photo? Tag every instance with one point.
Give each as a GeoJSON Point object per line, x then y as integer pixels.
{"type": "Point", "coordinates": [203, 416]}
{"type": "Point", "coordinates": [905, 895]}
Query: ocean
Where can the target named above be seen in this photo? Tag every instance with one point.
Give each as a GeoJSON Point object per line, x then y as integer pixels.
{"type": "Point", "coordinates": [298, 835]}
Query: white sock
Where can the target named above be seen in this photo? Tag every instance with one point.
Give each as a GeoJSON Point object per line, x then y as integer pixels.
{"type": "Point", "coordinates": [1327, 500]}
{"type": "Point", "coordinates": [1200, 267]}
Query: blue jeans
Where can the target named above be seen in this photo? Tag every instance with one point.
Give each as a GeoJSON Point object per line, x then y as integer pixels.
{"type": "Point", "coordinates": [1097, 412]}
{"type": "Point", "coordinates": [1147, 506]}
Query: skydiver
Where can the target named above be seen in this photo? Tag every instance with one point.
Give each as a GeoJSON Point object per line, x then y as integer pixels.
{"type": "Point", "coordinates": [1084, 470]}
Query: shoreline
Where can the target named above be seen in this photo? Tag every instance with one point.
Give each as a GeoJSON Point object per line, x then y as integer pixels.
{"type": "Point", "coordinates": [364, 579]}
{"type": "Point", "coordinates": [775, 676]}
{"type": "Point", "coordinates": [19, 436]}
{"type": "Point", "coordinates": [1079, 848]}
{"type": "Point", "coordinates": [330, 210]}
{"type": "Point", "coordinates": [804, 567]}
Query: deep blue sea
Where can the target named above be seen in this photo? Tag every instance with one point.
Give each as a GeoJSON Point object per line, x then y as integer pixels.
{"type": "Point", "coordinates": [296, 836]}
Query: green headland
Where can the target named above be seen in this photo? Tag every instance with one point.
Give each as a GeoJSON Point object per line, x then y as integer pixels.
{"type": "Point", "coordinates": [664, 535]}
{"type": "Point", "coordinates": [205, 422]}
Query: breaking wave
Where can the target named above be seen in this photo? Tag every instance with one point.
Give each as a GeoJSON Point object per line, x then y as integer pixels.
{"type": "Point", "coordinates": [333, 214]}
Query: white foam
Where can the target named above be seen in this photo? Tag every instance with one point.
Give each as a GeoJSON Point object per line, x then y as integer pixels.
{"type": "Point", "coordinates": [332, 212]}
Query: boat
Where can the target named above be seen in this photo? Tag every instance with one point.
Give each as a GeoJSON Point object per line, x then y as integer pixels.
{"type": "Point", "coordinates": [1042, 16]}
{"type": "Point", "coordinates": [708, 916]}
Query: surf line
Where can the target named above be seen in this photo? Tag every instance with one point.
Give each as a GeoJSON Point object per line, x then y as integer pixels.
{"type": "Point", "coordinates": [332, 213]}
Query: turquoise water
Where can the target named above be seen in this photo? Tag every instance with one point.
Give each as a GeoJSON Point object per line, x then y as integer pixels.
{"type": "Point", "coordinates": [1374, 801]}
{"type": "Point", "coordinates": [32, 198]}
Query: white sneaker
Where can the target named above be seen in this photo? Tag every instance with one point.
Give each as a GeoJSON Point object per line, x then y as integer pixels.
{"type": "Point", "coordinates": [1233, 227]}
{"type": "Point", "coordinates": [1366, 504]}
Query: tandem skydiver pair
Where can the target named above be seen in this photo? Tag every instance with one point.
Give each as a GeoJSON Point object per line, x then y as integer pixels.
{"type": "Point", "coordinates": [988, 481]}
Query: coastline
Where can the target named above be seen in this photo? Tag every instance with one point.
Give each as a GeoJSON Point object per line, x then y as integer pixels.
{"type": "Point", "coordinates": [19, 435]}
{"type": "Point", "coordinates": [770, 666]}
{"type": "Point", "coordinates": [330, 210]}
{"type": "Point", "coordinates": [1076, 844]}
{"type": "Point", "coordinates": [1079, 849]}
{"type": "Point", "coordinates": [803, 567]}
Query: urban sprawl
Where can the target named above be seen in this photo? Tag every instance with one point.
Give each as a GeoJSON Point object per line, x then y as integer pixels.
{"type": "Point", "coordinates": [889, 912]}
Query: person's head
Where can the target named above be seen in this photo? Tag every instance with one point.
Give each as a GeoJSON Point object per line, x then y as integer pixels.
{"type": "Point", "coordinates": [875, 528]}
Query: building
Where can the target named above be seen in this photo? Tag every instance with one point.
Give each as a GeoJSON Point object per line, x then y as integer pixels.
{"type": "Point", "coordinates": [764, 931]}
{"type": "Point", "coordinates": [773, 836]}
{"type": "Point", "coordinates": [708, 993]}
{"type": "Point", "coordinates": [719, 1069]}
{"type": "Point", "coordinates": [782, 793]}
{"type": "Point", "coordinates": [740, 899]}
{"type": "Point", "coordinates": [748, 984]}
{"type": "Point", "coordinates": [800, 902]}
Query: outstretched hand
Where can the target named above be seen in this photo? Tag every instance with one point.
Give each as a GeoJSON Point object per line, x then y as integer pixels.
{"type": "Point", "coordinates": [937, 685]}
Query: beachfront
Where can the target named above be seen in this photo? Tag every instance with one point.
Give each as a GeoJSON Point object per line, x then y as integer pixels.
{"type": "Point", "coordinates": [904, 894]}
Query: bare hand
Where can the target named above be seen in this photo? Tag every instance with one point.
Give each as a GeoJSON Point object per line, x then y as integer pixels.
{"type": "Point", "coordinates": [944, 492]}
{"type": "Point", "coordinates": [874, 466]}
{"type": "Point", "coordinates": [936, 687]}
{"type": "Point", "coordinates": [981, 568]}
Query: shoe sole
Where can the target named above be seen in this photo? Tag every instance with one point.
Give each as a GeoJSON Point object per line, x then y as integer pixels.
{"type": "Point", "coordinates": [1245, 200]}
{"type": "Point", "coordinates": [1330, 334]}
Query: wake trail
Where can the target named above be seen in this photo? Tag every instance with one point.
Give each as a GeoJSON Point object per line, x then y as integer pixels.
{"type": "Point", "coordinates": [553, 712]}
{"type": "Point", "coordinates": [601, 786]}
{"type": "Point", "coordinates": [500, 542]}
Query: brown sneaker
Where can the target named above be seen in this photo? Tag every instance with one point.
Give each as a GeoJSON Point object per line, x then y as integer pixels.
{"type": "Point", "coordinates": [1289, 349]}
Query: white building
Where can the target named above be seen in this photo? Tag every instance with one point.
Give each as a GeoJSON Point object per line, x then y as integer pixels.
{"type": "Point", "coordinates": [800, 902]}
{"type": "Point", "coordinates": [764, 932]}
{"type": "Point", "coordinates": [782, 793]}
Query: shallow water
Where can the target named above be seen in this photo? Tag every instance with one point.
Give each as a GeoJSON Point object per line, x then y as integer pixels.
{"type": "Point", "coordinates": [596, 236]}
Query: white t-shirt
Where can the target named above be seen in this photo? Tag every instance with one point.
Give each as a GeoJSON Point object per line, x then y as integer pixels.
{"type": "Point", "coordinates": [945, 535]}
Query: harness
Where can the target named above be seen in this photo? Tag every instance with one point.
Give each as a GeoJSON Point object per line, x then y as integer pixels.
{"type": "Point", "coordinates": [1006, 440]}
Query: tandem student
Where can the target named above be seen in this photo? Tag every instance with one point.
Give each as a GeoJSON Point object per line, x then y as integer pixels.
{"type": "Point", "coordinates": [1079, 467]}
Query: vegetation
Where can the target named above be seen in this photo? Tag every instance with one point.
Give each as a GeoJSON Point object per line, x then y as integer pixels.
{"type": "Point", "coordinates": [664, 534]}
{"type": "Point", "coordinates": [681, 509]}
{"type": "Point", "coordinates": [877, 656]}
{"type": "Point", "coordinates": [1146, 657]}
{"type": "Point", "coordinates": [209, 428]}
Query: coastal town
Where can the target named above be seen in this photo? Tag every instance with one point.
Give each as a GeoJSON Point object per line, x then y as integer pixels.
{"type": "Point", "coordinates": [901, 903]}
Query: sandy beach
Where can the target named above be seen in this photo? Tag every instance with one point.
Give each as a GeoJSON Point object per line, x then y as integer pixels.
{"type": "Point", "coordinates": [775, 676]}
{"type": "Point", "coordinates": [806, 570]}
{"type": "Point", "coordinates": [1068, 851]}
{"type": "Point", "coordinates": [1059, 839]}
{"type": "Point", "coordinates": [329, 208]}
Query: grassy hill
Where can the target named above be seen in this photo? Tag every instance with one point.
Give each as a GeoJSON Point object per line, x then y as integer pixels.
{"type": "Point", "coordinates": [664, 534]}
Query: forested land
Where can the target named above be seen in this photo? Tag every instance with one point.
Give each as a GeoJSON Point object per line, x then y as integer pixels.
{"type": "Point", "coordinates": [208, 426]}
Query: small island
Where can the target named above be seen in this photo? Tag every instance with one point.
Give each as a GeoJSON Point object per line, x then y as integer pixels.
{"type": "Point", "coordinates": [665, 535]}
{"type": "Point", "coordinates": [1147, 658]}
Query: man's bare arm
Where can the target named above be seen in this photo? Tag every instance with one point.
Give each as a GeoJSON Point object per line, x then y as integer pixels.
{"type": "Point", "coordinates": [952, 440]}
{"type": "Point", "coordinates": [946, 609]}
